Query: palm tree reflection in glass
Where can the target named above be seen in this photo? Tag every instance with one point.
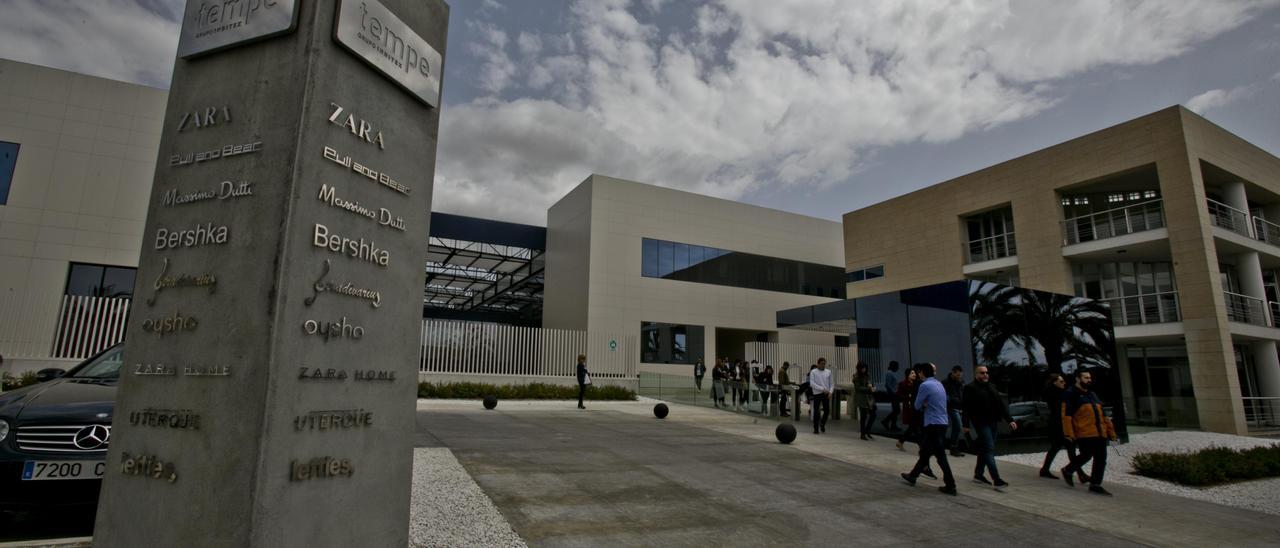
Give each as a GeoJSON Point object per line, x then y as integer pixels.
{"type": "Point", "coordinates": [1059, 332]}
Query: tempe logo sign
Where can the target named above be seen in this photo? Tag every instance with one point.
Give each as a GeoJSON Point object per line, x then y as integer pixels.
{"type": "Point", "coordinates": [213, 25]}
{"type": "Point", "coordinates": [374, 34]}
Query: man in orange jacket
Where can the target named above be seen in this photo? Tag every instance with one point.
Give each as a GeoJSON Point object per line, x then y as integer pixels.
{"type": "Point", "coordinates": [1084, 423]}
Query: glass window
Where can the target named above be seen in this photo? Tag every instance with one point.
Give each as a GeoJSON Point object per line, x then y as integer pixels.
{"type": "Point", "coordinates": [682, 257]}
{"type": "Point", "coordinates": [671, 343]}
{"type": "Point", "coordinates": [1146, 279]}
{"type": "Point", "coordinates": [8, 161]}
{"type": "Point", "coordinates": [84, 280]}
{"type": "Point", "coordinates": [666, 258]}
{"type": "Point", "coordinates": [89, 280]}
{"type": "Point", "coordinates": [674, 260]}
{"type": "Point", "coordinates": [875, 272]}
{"type": "Point", "coordinates": [695, 255]}
{"type": "Point", "coordinates": [649, 258]}
{"type": "Point", "coordinates": [1128, 279]}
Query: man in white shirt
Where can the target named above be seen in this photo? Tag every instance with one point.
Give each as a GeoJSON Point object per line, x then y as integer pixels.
{"type": "Point", "coordinates": [823, 388]}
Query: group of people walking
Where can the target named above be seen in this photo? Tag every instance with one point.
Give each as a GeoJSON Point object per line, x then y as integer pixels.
{"type": "Point", "coordinates": [935, 414]}
{"type": "Point", "coordinates": [929, 407]}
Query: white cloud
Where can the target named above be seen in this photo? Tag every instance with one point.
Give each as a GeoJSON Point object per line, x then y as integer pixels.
{"type": "Point", "coordinates": [769, 92]}
{"type": "Point", "coordinates": [115, 39]}
{"type": "Point", "coordinates": [1217, 98]}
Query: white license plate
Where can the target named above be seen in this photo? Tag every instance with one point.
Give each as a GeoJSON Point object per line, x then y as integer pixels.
{"type": "Point", "coordinates": [63, 469]}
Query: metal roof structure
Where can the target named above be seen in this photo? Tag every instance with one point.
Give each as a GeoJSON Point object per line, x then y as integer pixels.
{"type": "Point", "coordinates": [484, 270]}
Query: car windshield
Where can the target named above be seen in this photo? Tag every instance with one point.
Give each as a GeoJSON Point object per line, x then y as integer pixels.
{"type": "Point", "coordinates": [105, 366]}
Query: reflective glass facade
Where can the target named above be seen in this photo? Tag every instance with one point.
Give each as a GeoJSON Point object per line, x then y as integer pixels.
{"type": "Point", "coordinates": [709, 265]}
{"type": "Point", "coordinates": [1021, 335]}
{"type": "Point", "coordinates": [670, 343]}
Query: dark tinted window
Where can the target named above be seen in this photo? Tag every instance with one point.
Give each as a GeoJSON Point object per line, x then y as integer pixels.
{"type": "Point", "coordinates": [8, 160]}
{"type": "Point", "coordinates": [671, 343]}
{"type": "Point", "coordinates": [700, 264]}
{"type": "Point", "coordinates": [91, 280]}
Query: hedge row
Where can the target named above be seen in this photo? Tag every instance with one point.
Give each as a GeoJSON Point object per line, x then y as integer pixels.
{"type": "Point", "coordinates": [535, 391]}
{"type": "Point", "coordinates": [1210, 466]}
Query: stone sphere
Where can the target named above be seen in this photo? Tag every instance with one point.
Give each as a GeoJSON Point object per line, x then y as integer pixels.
{"type": "Point", "coordinates": [785, 432]}
{"type": "Point", "coordinates": [660, 410]}
{"type": "Point", "coordinates": [490, 402]}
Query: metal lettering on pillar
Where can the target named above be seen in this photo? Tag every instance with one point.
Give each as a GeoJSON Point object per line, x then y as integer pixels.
{"type": "Point", "coordinates": [270, 369]}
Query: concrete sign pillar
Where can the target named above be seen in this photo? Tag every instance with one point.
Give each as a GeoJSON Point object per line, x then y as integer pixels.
{"type": "Point", "coordinates": [267, 395]}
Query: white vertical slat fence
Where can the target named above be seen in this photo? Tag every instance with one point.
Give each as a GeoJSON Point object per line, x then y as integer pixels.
{"type": "Point", "coordinates": [474, 348]}
{"type": "Point", "coordinates": [88, 325]}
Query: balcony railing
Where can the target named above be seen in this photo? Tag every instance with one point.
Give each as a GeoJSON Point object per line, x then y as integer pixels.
{"type": "Point", "coordinates": [1114, 222]}
{"type": "Point", "coordinates": [990, 248]}
{"type": "Point", "coordinates": [1230, 218]}
{"type": "Point", "coordinates": [1245, 309]}
{"type": "Point", "coordinates": [1261, 412]}
{"type": "Point", "coordinates": [1266, 231]}
{"type": "Point", "coordinates": [1144, 309]}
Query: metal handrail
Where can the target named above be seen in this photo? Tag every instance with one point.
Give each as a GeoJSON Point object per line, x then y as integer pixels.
{"type": "Point", "coordinates": [1230, 218]}
{"type": "Point", "coordinates": [1245, 309]}
{"type": "Point", "coordinates": [1261, 411]}
{"type": "Point", "coordinates": [1266, 231]}
{"type": "Point", "coordinates": [1113, 222]}
{"type": "Point", "coordinates": [1144, 309]}
{"type": "Point", "coordinates": [990, 248]}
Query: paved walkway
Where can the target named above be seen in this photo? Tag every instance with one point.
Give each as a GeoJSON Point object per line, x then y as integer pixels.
{"type": "Point", "coordinates": [614, 474]}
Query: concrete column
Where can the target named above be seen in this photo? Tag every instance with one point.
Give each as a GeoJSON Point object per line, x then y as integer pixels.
{"type": "Point", "coordinates": [1126, 379]}
{"type": "Point", "coordinates": [1233, 194]}
{"type": "Point", "coordinates": [1249, 269]}
{"type": "Point", "coordinates": [1266, 364]}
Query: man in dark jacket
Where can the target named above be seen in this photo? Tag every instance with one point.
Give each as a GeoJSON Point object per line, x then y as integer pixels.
{"type": "Point", "coordinates": [1085, 423]}
{"type": "Point", "coordinates": [583, 379]}
{"type": "Point", "coordinates": [955, 395]}
{"type": "Point", "coordinates": [984, 410]}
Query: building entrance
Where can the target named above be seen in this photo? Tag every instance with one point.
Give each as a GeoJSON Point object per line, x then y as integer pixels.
{"type": "Point", "coordinates": [1162, 390]}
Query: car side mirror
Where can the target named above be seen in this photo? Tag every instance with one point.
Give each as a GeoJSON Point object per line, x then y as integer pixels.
{"type": "Point", "coordinates": [49, 374]}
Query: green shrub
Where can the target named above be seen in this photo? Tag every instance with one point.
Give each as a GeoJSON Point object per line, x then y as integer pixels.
{"type": "Point", "coordinates": [1210, 466]}
{"type": "Point", "coordinates": [534, 391]}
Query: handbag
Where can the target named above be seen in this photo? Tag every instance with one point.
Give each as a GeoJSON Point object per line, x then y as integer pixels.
{"type": "Point", "coordinates": [586, 378]}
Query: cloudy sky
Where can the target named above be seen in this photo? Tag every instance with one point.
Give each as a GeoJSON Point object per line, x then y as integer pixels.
{"type": "Point", "coordinates": [812, 106]}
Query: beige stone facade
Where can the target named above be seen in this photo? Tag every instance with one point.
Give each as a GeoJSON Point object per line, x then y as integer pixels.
{"type": "Point", "coordinates": [923, 238]}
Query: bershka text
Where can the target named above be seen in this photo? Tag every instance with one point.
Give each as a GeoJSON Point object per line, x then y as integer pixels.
{"type": "Point", "coordinates": [356, 249]}
{"type": "Point", "coordinates": [221, 15]}
{"type": "Point", "coordinates": [200, 235]}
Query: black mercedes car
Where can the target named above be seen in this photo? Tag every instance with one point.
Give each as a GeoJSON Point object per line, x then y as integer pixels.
{"type": "Point", "coordinates": [54, 435]}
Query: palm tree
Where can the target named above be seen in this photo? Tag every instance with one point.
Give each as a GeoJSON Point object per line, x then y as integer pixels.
{"type": "Point", "coordinates": [1066, 328]}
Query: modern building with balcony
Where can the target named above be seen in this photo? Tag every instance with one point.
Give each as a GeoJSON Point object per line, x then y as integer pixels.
{"type": "Point", "coordinates": [1168, 218]}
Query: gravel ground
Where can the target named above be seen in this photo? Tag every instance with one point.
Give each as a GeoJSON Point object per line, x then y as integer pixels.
{"type": "Point", "coordinates": [449, 509]}
{"type": "Point", "coordinates": [1260, 495]}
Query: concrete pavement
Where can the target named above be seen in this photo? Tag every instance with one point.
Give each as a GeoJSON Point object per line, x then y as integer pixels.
{"type": "Point", "coordinates": [615, 474]}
